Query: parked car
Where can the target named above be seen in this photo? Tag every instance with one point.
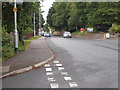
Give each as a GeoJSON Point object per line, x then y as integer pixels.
{"type": "Point", "coordinates": [67, 34]}
{"type": "Point", "coordinates": [47, 34]}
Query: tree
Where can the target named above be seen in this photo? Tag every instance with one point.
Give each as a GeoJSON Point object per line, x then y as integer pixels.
{"type": "Point", "coordinates": [24, 17]}
{"type": "Point", "coordinates": [83, 14]}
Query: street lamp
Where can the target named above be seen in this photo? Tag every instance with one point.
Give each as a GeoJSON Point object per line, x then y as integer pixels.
{"type": "Point", "coordinates": [34, 26]}
{"type": "Point", "coordinates": [16, 40]}
{"type": "Point", "coordinates": [40, 28]}
{"type": "Point", "coordinates": [15, 21]}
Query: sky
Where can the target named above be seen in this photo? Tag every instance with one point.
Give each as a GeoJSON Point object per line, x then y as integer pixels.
{"type": "Point", "coordinates": [46, 6]}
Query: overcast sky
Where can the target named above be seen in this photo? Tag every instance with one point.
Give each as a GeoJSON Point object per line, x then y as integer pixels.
{"type": "Point", "coordinates": [46, 6]}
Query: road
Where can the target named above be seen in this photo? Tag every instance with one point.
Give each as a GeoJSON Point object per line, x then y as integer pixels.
{"type": "Point", "coordinates": [79, 64]}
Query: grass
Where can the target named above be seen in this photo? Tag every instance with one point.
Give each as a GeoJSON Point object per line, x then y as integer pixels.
{"type": "Point", "coordinates": [0, 59]}
{"type": "Point", "coordinates": [23, 47]}
{"type": "Point", "coordinates": [33, 38]}
{"type": "Point", "coordinates": [79, 33]}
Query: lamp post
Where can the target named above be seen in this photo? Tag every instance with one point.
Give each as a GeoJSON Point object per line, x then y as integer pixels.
{"type": "Point", "coordinates": [39, 31]}
{"type": "Point", "coordinates": [15, 22]}
{"type": "Point", "coordinates": [16, 40]}
{"type": "Point", "coordinates": [34, 26]}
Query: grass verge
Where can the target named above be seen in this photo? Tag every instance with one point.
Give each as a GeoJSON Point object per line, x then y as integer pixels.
{"type": "Point", "coordinates": [23, 47]}
{"type": "Point", "coordinates": [80, 33]}
{"type": "Point", "coordinates": [33, 38]}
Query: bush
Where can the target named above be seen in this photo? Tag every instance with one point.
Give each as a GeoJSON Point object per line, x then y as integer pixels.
{"type": "Point", "coordinates": [29, 30]}
{"type": "Point", "coordinates": [115, 29]}
{"type": "Point", "coordinates": [7, 44]}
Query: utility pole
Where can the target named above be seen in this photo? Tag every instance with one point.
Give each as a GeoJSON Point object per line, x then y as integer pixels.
{"type": "Point", "coordinates": [39, 31]}
{"type": "Point", "coordinates": [34, 26]}
{"type": "Point", "coordinates": [15, 32]}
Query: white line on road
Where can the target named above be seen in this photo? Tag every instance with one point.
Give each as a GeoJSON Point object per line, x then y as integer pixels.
{"type": "Point", "coordinates": [64, 73]}
{"type": "Point", "coordinates": [54, 85]}
{"type": "Point", "coordinates": [56, 61]}
{"type": "Point", "coordinates": [51, 79]}
{"type": "Point", "coordinates": [48, 69]}
{"type": "Point", "coordinates": [58, 65]}
{"type": "Point", "coordinates": [73, 84]}
{"type": "Point", "coordinates": [60, 68]}
{"type": "Point", "coordinates": [49, 73]}
{"type": "Point", "coordinates": [67, 78]}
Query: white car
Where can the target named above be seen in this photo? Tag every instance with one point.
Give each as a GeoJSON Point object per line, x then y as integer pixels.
{"type": "Point", "coordinates": [67, 34]}
{"type": "Point", "coordinates": [47, 34]}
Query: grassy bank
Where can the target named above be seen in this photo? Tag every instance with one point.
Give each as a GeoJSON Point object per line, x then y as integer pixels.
{"type": "Point", "coordinates": [80, 33]}
{"type": "Point", "coordinates": [23, 47]}
{"type": "Point", "coordinates": [26, 42]}
{"type": "Point", "coordinates": [33, 38]}
{"type": "Point", "coordinates": [9, 51]}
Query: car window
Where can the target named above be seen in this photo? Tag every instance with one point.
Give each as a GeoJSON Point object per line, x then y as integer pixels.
{"type": "Point", "coordinates": [66, 32]}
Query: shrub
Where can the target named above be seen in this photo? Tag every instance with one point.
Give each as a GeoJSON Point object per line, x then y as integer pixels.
{"type": "Point", "coordinates": [7, 44]}
{"type": "Point", "coordinates": [29, 30]}
{"type": "Point", "coordinates": [115, 29]}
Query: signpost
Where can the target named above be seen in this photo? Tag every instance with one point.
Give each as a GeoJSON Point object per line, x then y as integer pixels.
{"type": "Point", "coordinates": [14, 9]}
{"type": "Point", "coordinates": [82, 30]}
{"type": "Point", "coordinates": [107, 35]}
{"type": "Point", "coordinates": [90, 29]}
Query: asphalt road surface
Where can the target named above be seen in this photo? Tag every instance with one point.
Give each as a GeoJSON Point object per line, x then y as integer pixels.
{"type": "Point", "coordinates": [79, 64]}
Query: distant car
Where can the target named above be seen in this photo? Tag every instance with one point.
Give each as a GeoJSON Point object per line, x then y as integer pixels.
{"type": "Point", "coordinates": [67, 34]}
{"type": "Point", "coordinates": [47, 34]}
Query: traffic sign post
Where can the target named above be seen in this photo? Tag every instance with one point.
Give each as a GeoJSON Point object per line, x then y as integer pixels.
{"type": "Point", "coordinates": [107, 35]}
{"type": "Point", "coordinates": [14, 9]}
{"type": "Point", "coordinates": [82, 29]}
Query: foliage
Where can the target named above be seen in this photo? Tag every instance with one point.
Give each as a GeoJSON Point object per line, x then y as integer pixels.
{"type": "Point", "coordinates": [29, 30]}
{"type": "Point", "coordinates": [23, 47]}
{"type": "Point", "coordinates": [115, 29]}
{"type": "Point", "coordinates": [25, 15]}
{"type": "Point", "coordinates": [80, 33]}
{"type": "Point", "coordinates": [74, 15]}
{"type": "Point", "coordinates": [33, 38]}
{"type": "Point", "coordinates": [7, 44]}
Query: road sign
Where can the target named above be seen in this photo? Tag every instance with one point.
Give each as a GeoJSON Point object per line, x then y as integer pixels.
{"type": "Point", "coordinates": [90, 29]}
{"type": "Point", "coordinates": [15, 9]}
{"type": "Point", "coordinates": [107, 35]}
{"type": "Point", "coordinates": [82, 29]}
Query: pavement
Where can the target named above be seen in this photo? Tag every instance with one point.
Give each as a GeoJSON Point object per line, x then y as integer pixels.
{"type": "Point", "coordinates": [36, 55]}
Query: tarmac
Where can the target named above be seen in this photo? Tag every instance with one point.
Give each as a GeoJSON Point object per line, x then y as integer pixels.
{"type": "Point", "coordinates": [36, 55]}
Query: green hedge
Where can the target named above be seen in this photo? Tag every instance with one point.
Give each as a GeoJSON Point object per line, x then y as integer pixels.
{"type": "Point", "coordinates": [115, 29]}
{"type": "Point", "coordinates": [7, 44]}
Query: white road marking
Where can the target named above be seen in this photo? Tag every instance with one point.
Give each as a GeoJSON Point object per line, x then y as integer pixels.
{"type": "Point", "coordinates": [54, 85]}
{"type": "Point", "coordinates": [64, 73]}
{"type": "Point", "coordinates": [48, 69]}
{"type": "Point", "coordinates": [73, 84]}
{"type": "Point", "coordinates": [47, 65]}
{"type": "Point", "coordinates": [58, 65]}
{"type": "Point", "coordinates": [60, 68]}
{"type": "Point", "coordinates": [51, 79]}
{"type": "Point", "coordinates": [67, 78]}
{"type": "Point", "coordinates": [49, 73]}
{"type": "Point", "coordinates": [56, 61]}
